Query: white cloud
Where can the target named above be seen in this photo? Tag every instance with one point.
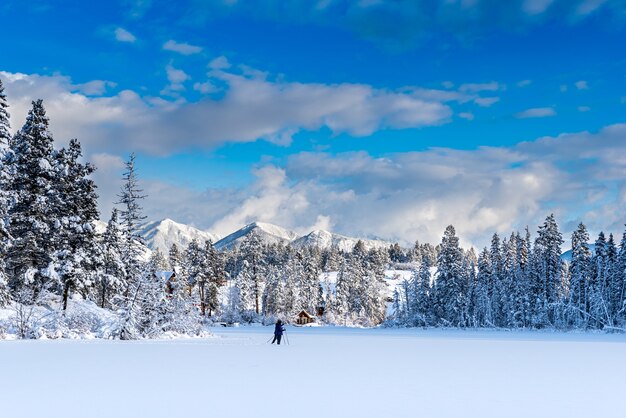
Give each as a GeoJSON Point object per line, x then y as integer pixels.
{"type": "Point", "coordinates": [535, 7]}
{"type": "Point", "coordinates": [563, 88]}
{"type": "Point", "coordinates": [537, 112]}
{"type": "Point", "coordinates": [584, 108]}
{"type": "Point", "coordinates": [480, 87]}
{"type": "Point", "coordinates": [587, 7]}
{"type": "Point", "coordinates": [181, 48]}
{"type": "Point", "coordinates": [252, 107]}
{"type": "Point", "coordinates": [466, 115]}
{"type": "Point", "coordinates": [524, 83]}
{"type": "Point", "coordinates": [447, 84]}
{"type": "Point", "coordinates": [219, 63]}
{"type": "Point", "coordinates": [486, 101]}
{"type": "Point", "coordinates": [95, 87]}
{"type": "Point", "coordinates": [206, 87]}
{"type": "Point", "coordinates": [176, 76]}
{"type": "Point", "coordinates": [582, 85]}
{"type": "Point", "coordinates": [123, 35]}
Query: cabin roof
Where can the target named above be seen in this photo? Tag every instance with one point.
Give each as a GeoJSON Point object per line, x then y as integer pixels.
{"type": "Point", "coordinates": [305, 313]}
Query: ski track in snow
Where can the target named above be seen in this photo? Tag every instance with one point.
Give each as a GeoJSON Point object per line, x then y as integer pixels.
{"type": "Point", "coordinates": [324, 372]}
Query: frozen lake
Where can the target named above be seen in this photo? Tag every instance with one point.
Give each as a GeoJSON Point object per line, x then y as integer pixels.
{"type": "Point", "coordinates": [324, 372]}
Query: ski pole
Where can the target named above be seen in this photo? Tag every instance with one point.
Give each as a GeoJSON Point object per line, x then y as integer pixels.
{"type": "Point", "coordinates": [286, 338]}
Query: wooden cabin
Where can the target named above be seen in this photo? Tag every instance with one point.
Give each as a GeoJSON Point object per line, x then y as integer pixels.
{"type": "Point", "coordinates": [168, 278]}
{"type": "Point", "coordinates": [304, 318]}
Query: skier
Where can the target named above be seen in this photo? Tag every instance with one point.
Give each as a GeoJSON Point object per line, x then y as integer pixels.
{"type": "Point", "coordinates": [278, 331]}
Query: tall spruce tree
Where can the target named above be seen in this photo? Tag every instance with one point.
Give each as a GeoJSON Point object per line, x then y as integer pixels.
{"type": "Point", "coordinates": [131, 217]}
{"type": "Point", "coordinates": [5, 238]}
{"type": "Point", "coordinates": [111, 283]}
{"type": "Point", "coordinates": [448, 287]}
{"type": "Point", "coordinates": [579, 278]}
{"type": "Point", "coordinates": [29, 161]}
{"type": "Point", "coordinates": [548, 272]}
{"type": "Point", "coordinates": [5, 125]}
{"type": "Point", "coordinates": [76, 211]}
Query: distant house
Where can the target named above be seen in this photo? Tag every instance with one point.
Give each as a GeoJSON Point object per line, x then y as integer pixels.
{"type": "Point", "coordinates": [304, 318]}
{"type": "Point", "coordinates": [167, 277]}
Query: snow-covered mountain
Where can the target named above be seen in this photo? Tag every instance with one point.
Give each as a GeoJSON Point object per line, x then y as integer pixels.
{"type": "Point", "coordinates": [269, 234]}
{"type": "Point", "coordinates": [162, 234]}
{"type": "Point", "coordinates": [326, 240]}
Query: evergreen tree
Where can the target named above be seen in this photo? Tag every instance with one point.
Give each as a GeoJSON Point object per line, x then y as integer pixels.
{"type": "Point", "coordinates": [30, 186]}
{"type": "Point", "coordinates": [448, 284]}
{"type": "Point", "coordinates": [131, 216]}
{"type": "Point", "coordinates": [252, 251]}
{"type": "Point", "coordinates": [481, 312]}
{"type": "Point", "coordinates": [421, 283]}
{"type": "Point", "coordinates": [175, 258]}
{"type": "Point", "coordinates": [621, 277]}
{"type": "Point", "coordinates": [157, 262]}
{"type": "Point", "coordinates": [111, 283]}
{"type": "Point", "coordinates": [5, 238]}
{"type": "Point", "coordinates": [580, 271]}
{"type": "Point", "coordinates": [548, 272]}
{"type": "Point", "coordinates": [76, 211]}
{"type": "Point", "coordinates": [5, 125]}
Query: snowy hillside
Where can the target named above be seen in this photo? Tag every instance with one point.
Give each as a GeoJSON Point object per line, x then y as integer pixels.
{"type": "Point", "coordinates": [270, 234]}
{"type": "Point", "coordinates": [326, 240]}
{"type": "Point", "coordinates": [162, 234]}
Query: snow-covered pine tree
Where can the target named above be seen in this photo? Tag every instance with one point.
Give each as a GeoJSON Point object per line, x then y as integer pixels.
{"type": "Point", "coordinates": [242, 298]}
{"type": "Point", "coordinates": [76, 211]}
{"type": "Point", "coordinates": [481, 313]}
{"type": "Point", "coordinates": [309, 283]}
{"type": "Point", "coordinates": [422, 310]}
{"type": "Point", "coordinates": [548, 268]}
{"type": "Point", "coordinates": [579, 278]}
{"type": "Point", "coordinates": [111, 283]}
{"type": "Point", "coordinates": [130, 218]}
{"type": "Point", "coordinates": [621, 272]}
{"type": "Point", "coordinates": [5, 238]}
{"type": "Point", "coordinates": [157, 262]}
{"type": "Point", "coordinates": [30, 185]}
{"type": "Point", "coordinates": [522, 281]}
{"type": "Point", "coordinates": [251, 250]}
{"type": "Point", "coordinates": [448, 284]}
{"type": "Point", "coordinates": [217, 277]}
{"type": "Point", "coordinates": [5, 125]}
{"type": "Point", "coordinates": [175, 258]}
{"type": "Point", "coordinates": [339, 308]}
{"type": "Point", "coordinates": [272, 293]}
{"type": "Point", "coordinates": [614, 281]}
{"type": "Point", "coordinates": [496, 289]}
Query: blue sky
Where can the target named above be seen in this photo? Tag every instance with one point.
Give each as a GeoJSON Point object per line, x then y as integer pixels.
{"type": "Point", "coordinates": [314, 114]}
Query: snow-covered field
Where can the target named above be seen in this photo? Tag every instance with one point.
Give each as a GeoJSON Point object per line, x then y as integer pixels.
{"type": "Point", "coordinates": [324, 372]}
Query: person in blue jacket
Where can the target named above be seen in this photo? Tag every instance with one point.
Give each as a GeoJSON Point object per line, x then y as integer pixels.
{"type": "Point", "coordinates": [278, 332]}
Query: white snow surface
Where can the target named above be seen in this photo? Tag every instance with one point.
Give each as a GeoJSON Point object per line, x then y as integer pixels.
{"type": "Point", "coordinates": [162, 234]}
{"type": "Point", "coordinates": [324, 372]}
